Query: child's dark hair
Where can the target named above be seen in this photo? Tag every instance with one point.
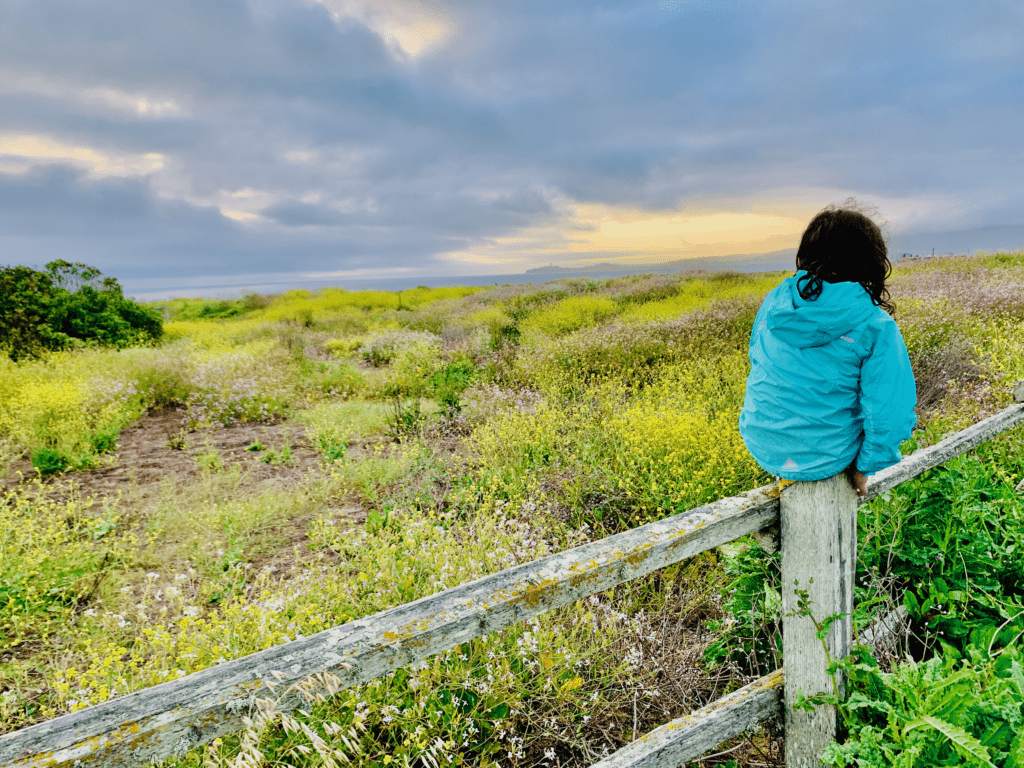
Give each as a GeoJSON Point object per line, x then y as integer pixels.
{"type": "Point", "coordinates": [843, 245]}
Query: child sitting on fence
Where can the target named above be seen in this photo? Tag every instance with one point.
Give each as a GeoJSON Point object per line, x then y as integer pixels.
{"type": "Point", "coordinates": [830, 385]}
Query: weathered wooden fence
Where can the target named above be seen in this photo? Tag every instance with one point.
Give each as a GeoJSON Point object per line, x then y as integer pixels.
{"type": "Point", "coordinates": [169, 719]}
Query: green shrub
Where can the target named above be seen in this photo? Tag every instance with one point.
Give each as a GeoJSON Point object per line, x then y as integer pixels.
{"type": "Point", "coordinates": [949, 541]}
{"type": "Point", "coordinates": [447, 385]}
{"type": "Point", "coordinates": [953, 709]}
{"type": "Point", "coordinates": [49, 461]}
{"type": "Point", "coordinates": [26, 309]}
{"type": "Point", "coordinates": [65, 305]}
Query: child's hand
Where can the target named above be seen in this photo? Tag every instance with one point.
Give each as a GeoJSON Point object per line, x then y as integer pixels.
{"type": "Point", "coordinates": [858, 480]}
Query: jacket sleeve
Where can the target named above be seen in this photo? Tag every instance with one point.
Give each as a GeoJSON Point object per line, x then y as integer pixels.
{"type": "Point", "coordinates": [887, 397]}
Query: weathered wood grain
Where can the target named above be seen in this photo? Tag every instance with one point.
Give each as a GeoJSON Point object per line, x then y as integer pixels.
{"type": "Point", "coordinates": [934, 455]}
{"type": "Point", "coordinates": [171, 718]}
{"type": "Point", "coordinates": [686, 738]}
{"type": "Point", "coordinates": [819, 555]}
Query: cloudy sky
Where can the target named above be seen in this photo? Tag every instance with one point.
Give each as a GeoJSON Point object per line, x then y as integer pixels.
{"type": "Point", "coordinates": [190, 146]}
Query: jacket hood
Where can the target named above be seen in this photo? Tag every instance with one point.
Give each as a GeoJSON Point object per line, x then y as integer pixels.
{"type": "Point", "coordinates": [803, 323]}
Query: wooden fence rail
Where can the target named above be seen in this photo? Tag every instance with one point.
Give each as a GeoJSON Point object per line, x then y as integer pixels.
{"type": "Point", "coordinates": [692, 735]}
{"type": "Point", "coordinates": [169, 719]}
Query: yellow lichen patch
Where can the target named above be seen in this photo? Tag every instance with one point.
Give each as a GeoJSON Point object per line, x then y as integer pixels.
{"type": "Point", "coordinates": [641, 554]}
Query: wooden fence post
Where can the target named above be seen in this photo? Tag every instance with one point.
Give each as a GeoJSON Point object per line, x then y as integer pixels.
{"type": "Point", "coordinates": [819, 551]}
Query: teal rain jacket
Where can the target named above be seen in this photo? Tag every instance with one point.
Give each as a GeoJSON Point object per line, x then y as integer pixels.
{"type": "Point", "coordinates": [830, 382]}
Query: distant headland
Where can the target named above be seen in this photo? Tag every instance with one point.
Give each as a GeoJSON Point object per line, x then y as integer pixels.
{"type": "Point", "coordinates": [740, 261]}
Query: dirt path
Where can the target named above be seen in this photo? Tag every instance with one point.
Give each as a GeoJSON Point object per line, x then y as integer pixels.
{"type": "Point", "coordinates": [144, 456]}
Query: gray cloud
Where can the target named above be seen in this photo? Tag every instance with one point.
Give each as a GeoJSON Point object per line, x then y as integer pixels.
{"type": "Point", "coordinates": [298, 214]}
{"type": "Point", "coordinates": [624, 103]}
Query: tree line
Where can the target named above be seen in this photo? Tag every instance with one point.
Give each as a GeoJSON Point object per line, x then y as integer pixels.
{"type": "Point", "coordinates": [68, 305]}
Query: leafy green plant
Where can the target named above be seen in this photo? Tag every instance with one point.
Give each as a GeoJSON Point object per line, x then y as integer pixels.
{"type": "Point", "coordinates": [378, 523]}
{"type": "Point", "coordinates": [282, 457]}
{"type": "Point", "coordinates": [950, 542]}
{"type": "Point", "coordinates": [752, 634]}
{"type": "Point", "coordinates": [447, 384]}
{"type": "Point", "coordinates": [952, 709]}
{"type": "Point", "coordinates": [104, 440]}
{"type": "Point", "coordinates": [406, 416]}
{"type": "Point", "coordinates": [210, 460]}
{"type": "Point", "coordinates": [821, 629]}
{"type": "Point", "coordinates": [333, 451]}
{"type": "Point", "coordinates": [49, 461]}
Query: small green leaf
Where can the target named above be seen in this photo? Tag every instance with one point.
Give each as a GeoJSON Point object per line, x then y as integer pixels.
{"type": "Point", "coordinates": [910, 600]}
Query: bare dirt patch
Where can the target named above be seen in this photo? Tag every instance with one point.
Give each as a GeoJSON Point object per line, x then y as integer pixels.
{"type": "Point", "coordinates": [158, 451]}
{"type": "Point", "coordinates": [145, 455]}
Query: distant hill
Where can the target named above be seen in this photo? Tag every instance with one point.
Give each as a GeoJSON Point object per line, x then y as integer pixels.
{"type": "Point", "coordinates": [994, 238]}
{"type": "Point", "coordinates": [772, 260]}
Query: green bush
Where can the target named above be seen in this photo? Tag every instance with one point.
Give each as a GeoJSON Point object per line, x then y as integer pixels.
{"type": "Point", "coordinates": [49, 461]}
{"type": "Point", "coordinates": [952, 709]}
{"type": "Point", "coordinates": [447, 385]}
{"type": "Point", "coordinates": [26, 307]}
{"type": "Point", "coordinates": [950, 542]}
{"type": "Point", "coordinates": [211, 309]}
{"type": "Point", "coordinates": [68, 305]}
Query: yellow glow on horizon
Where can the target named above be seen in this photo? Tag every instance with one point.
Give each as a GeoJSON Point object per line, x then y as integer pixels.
{"type": "Point", "coordinates": [581, 234]}
{"type": "Point", "coordinates": [414, 26]}
{"type": "Point", "coordinates": [626, 230]}
{"type": "Point", "coordinates": [41, 148]}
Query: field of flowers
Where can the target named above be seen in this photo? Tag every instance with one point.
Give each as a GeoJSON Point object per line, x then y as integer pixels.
{"type": "Point", "coordinates": [455, 432]}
